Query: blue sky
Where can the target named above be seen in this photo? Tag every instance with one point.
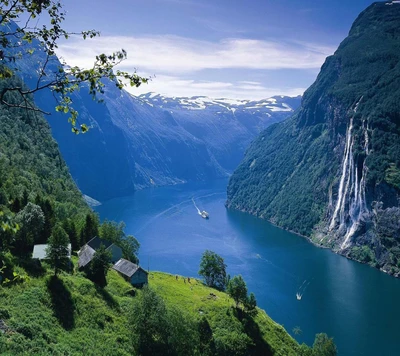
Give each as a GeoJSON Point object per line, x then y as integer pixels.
{"type": "Point", "coordinates": [223, 48]}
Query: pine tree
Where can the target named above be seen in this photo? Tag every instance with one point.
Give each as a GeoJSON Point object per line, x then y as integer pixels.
{"type": "Point", "coordinates": [57, 252]}
{"type": "Point", "coordinates": [100, 266]}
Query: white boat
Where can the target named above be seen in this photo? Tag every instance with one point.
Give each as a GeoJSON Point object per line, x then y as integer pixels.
{"type": "Point", "coordinates": [204, 214]}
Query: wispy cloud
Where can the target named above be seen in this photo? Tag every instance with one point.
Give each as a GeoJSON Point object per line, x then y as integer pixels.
{"type": "Point", "coordinates": [177, 86]}
{"type": "Point", "coordinates": [179, 63]}
{"type": "Point", "coordinates": [171, 54]}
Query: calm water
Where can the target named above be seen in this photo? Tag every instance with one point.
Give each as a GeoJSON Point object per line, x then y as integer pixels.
{"type": "Point", "coordinates": [357, 305]}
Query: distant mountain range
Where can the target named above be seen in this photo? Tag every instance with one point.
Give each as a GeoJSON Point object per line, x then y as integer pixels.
{"type": "Point", "coordinates": [149, 140]}
{"type": "Point", "coordinates": [332, 171]}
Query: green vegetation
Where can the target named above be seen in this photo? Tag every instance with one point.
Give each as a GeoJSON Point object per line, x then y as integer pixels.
{"type": "Point", "coordinates": [213, 269]}
{"type": "Point", "coordinates": [69, 314]}
{"type": "Point", "coordinates": [324, 346]}
{"type": "Point", "coordinates": [57, 252]}
{"type": "Point", "coordinates": [99, 266]}
{"type": "Point", "coordinates": [362, 253]}
{"type": "Point", "coordinates": [36, 189]}
{"type": "Point", "coordinates": [237, 290]}
{"type": "Point", "coordinates": [63, 80]}
{"type": "Point", "coordinates": [290, 174]}
{"type": "Point", "coordinates": [114, 232]}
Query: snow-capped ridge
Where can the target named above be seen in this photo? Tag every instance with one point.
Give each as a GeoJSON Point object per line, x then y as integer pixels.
{"type": "Point", "coordinates": [219, 105]}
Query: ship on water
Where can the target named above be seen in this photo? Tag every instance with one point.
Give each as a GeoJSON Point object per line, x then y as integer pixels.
{"type": "Point", "coordinates": [204, 214]}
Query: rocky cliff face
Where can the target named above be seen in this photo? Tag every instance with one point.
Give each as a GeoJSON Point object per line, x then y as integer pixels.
{"type": "Point", "coordinates": [332, 171]}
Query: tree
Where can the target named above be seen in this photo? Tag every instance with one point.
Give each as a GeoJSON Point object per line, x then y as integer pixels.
{"type": "Point", "coordinates": [324, 346]}
{"type": "Point", "coordinates": [31, 220]}
{"type": "Point", "coordinates": [213, 270]}
{"type": "Point", "coordinates": [70, 229]}
{"type": "Point", "coordinates": [237, 290]}
{"type": "Point", "coordinates": [149, 323]}
{"type": "Point", "coordinates": [57, 252]}
{"type": "Point", "coordinates": [114, 232]}
{"type": "Point", "coordinates": [251, 303]}
{"type": "Point", "coordinates": [158, 330]}
{"type": "Point", "coordinates": [130, 247]}
{"type": "Point", "coordinates": [100, 266]}
{"type": "Point", "coordinates": [63, 81]}
{"type": "Point", "coordinates": [90, 229]}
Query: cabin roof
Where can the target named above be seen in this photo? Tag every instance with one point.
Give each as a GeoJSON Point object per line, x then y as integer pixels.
{"type": "Point", "coordinates": [127, 268]}
{"type": "Point", "coordinates": [85, 255]}
{"type": "Point", "coordinates": [39, 251]}
{"type": "Point", "coordinates": [96, 242]}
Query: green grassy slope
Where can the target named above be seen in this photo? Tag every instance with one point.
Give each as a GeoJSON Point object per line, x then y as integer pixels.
{"type": "Point", "coordinates": [71, 316]}
{"type": "Point", "coordinates": [195, 298]}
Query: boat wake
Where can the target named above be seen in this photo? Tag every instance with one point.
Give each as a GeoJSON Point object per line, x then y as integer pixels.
{"type": "Point", "coordinates": [198, 210]}
{"type": "Point", "coordinates": [302, 289]}
{"type": "Point", "coordinates": [203, 213]}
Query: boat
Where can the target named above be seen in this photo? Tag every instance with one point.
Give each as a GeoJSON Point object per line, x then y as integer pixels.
{"type": "Point", "coordinates": [298, 296]}
{"type": "Point", "coordinates": [204, 214]}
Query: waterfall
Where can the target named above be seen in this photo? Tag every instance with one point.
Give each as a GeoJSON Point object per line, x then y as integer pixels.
{"type": "Point", "coordinates": [345, 168]}
{"type": "Point", "coordinates": [351, 201]}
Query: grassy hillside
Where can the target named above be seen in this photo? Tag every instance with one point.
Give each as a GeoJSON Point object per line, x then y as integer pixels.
{"type": "Point", "coordinates": [69, 315]}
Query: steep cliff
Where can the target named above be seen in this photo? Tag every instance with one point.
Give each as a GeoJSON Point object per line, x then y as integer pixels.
{"type": "Point", "coordinates": [332, 171]}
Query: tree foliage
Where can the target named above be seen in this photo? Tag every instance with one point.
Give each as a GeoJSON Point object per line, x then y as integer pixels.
{"type": "Point", "coordinates": [158, 330]}
{"type": "Point", "coordinates": [251, 303]}
{"type": "Point", "coordinates": [57, 252]}
{"type": "Point", "coordinates": [99, 266]}
{"type": "Point", "coordinates": [213, 269]}
{"type": "Point", "coordinates": [237, 289]}
{"type": "Point", "coordinates": [31, 220]}
{"type": "Point", "coordinates": [115, 232]}
{"type": "Point", "coordinates": [16, 41]}
{"type": "Point", "coordinates": [324, 346]}
{"type": "Point", "coordinates": [90, 229]}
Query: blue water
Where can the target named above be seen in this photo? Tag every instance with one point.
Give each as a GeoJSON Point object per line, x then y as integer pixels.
{"type": "Point", "coordinates": [357, 305]}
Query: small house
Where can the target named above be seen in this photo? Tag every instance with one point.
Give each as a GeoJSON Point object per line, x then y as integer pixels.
{"type": "Point", "coordinates": [116, 252]}
{"type": "Point", "coordinates": [86, 253]}
{"type": "Point", "coordinates": [39, 252]}
{"type": "Point", "coordinates": [132, 272]}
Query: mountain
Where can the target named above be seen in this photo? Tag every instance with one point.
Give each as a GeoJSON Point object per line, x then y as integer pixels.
{"type": "Point", "coordinates": [37, 191]}
{"type": "Point", "coordinates": [331, 172]}
{"type": "Point", "coordinates": [226, 126]}
{"type": "Point", "coordinates": [135, 142]}
{"type": "Point", "coordinates": [150, 140]}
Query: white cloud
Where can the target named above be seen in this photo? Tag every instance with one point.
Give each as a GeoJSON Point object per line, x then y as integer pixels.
{"type": "Point", "coordinates": [178, 63]}
{"type": "Point", "coordinates": [175, 86]}
{"type": "Point", "coordinates": [173, 55]}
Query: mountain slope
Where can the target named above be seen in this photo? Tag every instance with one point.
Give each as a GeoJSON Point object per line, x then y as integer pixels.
{"type": "Point", "coordinates": [332, 171]}
{"type": "Point", "coordinates": [137, 142]}
{"type": "Point", "coordinates": [31, 164]}
{"type": "Point", "coordinates": [226, 126]}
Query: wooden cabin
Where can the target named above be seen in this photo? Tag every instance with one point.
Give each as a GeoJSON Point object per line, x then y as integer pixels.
{"type": "Point", "coordinates": [86, 253]}
{"type": "Point", "coordinates": [135, 274]}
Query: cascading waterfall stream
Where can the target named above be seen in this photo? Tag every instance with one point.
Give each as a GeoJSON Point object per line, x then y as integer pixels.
{"type": "Point", "coordinates": [351, 201]}
{"type": "Point", "coordinates": [347, 154]}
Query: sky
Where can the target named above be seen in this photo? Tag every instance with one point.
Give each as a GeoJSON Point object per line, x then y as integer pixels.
{"type": "Point", "coordinates": [242, 49]}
